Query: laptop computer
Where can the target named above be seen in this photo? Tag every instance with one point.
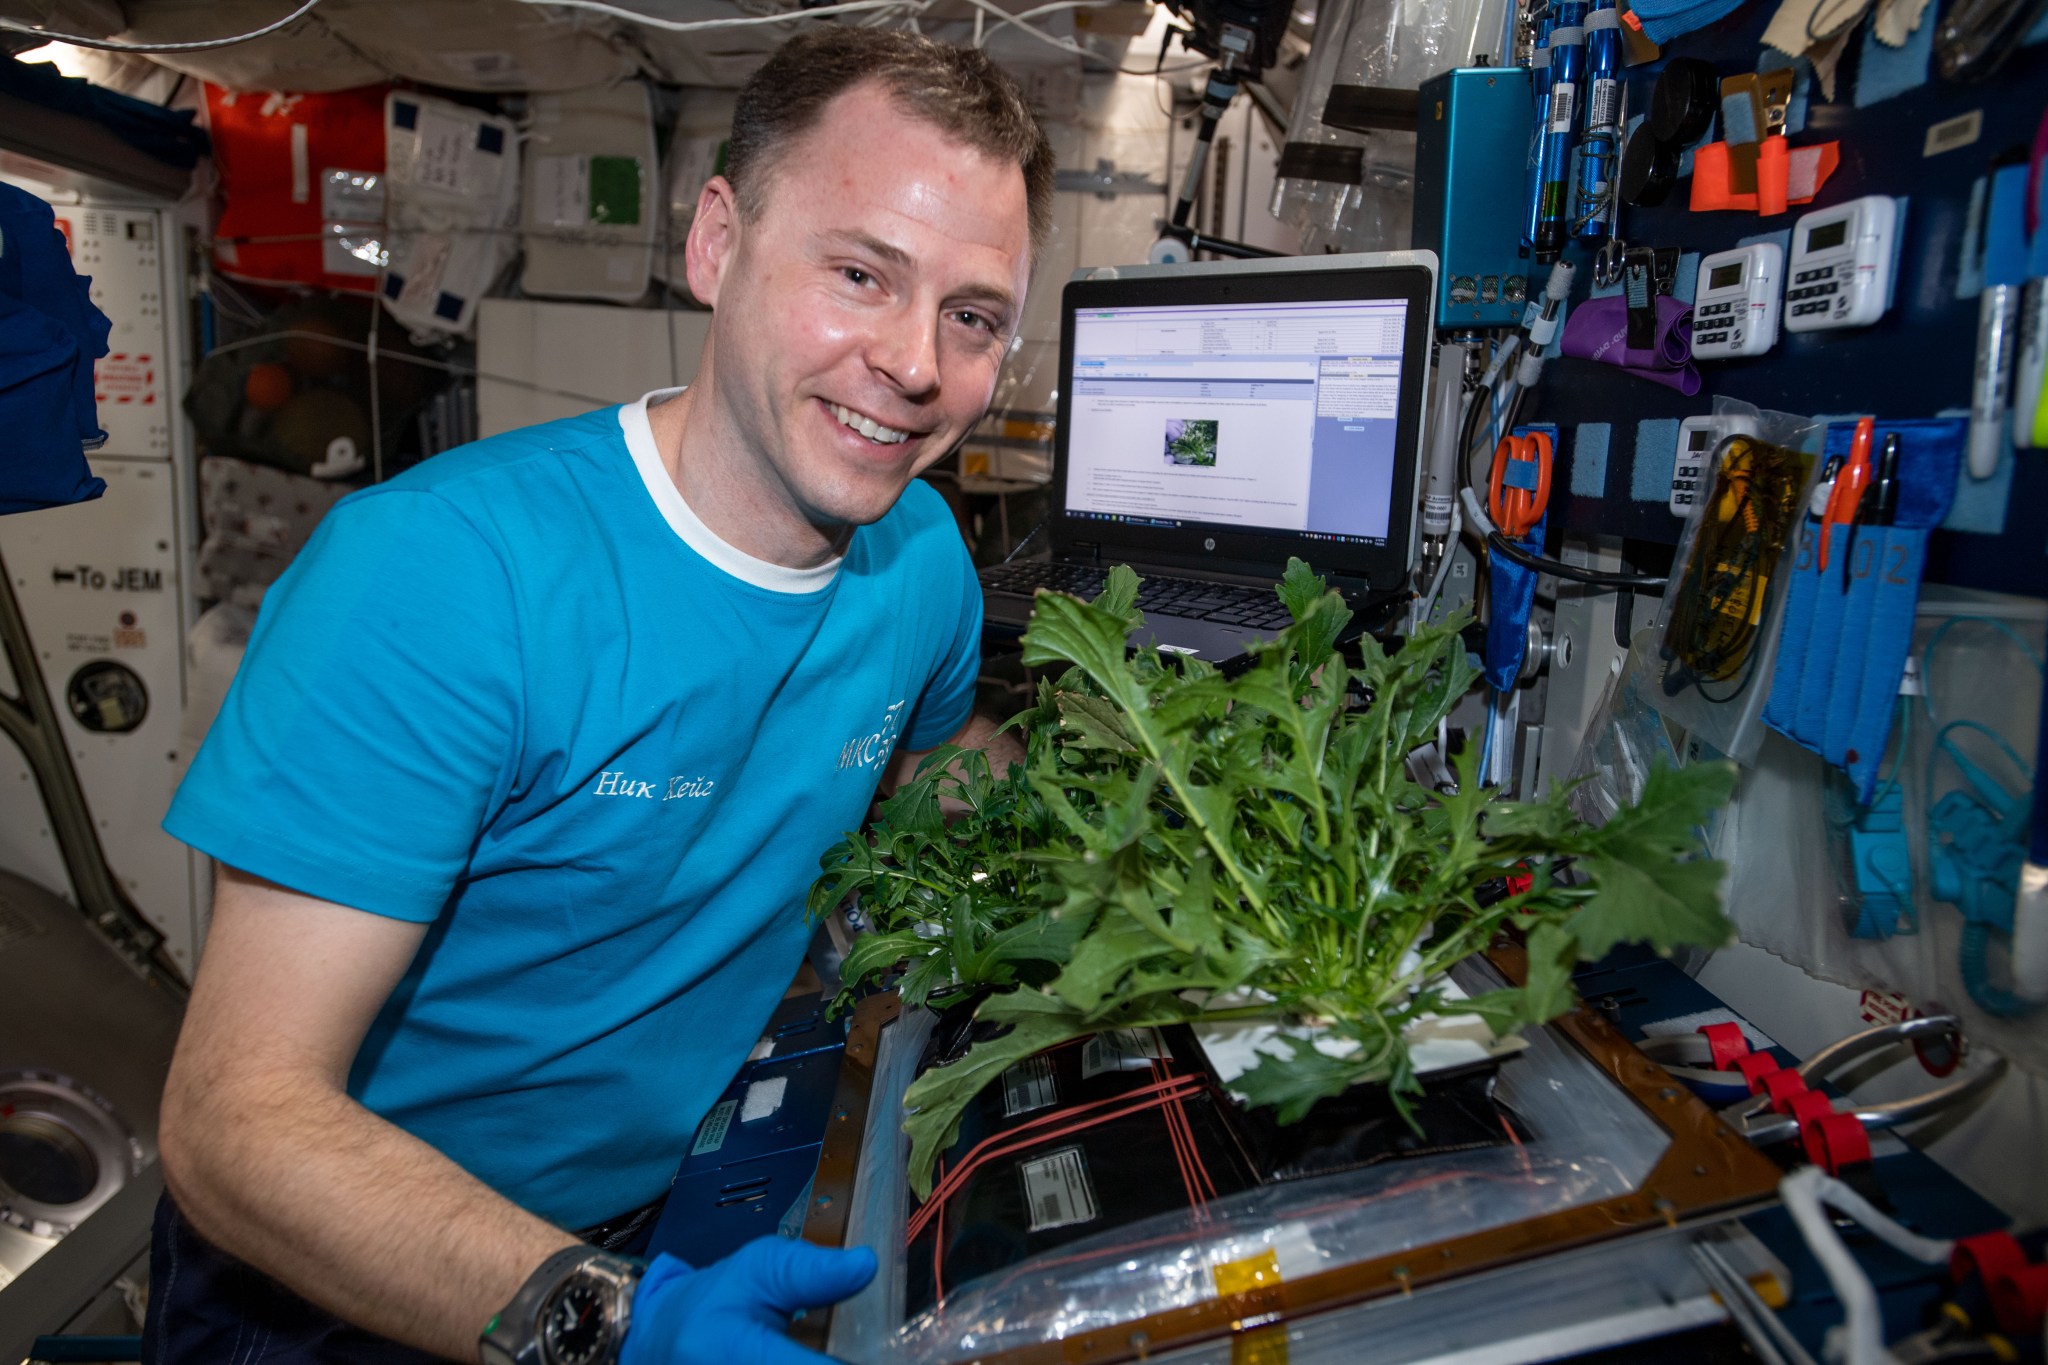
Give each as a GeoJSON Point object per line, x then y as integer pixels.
{"type": "Point", "coordinates": [1215, 419]}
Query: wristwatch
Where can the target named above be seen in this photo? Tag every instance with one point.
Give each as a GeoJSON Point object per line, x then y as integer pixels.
{"type": "Point", "coordinates": [574, 1310]}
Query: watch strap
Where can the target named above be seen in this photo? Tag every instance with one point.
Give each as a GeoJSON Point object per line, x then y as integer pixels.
{"type": "Point", "coordinates": [514, 1334]}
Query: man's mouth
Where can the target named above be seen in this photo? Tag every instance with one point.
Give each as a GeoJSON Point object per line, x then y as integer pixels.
{"type": "Point", "coordinates": [868, 426]}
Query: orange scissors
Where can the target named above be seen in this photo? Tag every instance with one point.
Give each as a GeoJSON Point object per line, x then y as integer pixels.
{"type": "Point", "coordinates": [1845, 499]}
{"type": "Point", "coordinates": [1519, 491]}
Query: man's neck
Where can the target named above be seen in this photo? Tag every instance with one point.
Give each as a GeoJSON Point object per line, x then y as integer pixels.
{"type": "Point", "coordinates": [700, 454]}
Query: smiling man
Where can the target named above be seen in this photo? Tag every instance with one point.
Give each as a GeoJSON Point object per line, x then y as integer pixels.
{"type": "Point", "coordinates": [536, 747]}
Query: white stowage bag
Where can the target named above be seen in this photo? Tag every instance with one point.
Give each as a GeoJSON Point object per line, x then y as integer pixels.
{"type": "Point", "coordinates": [486, 44]}
{"type": "Point", "coordinates": [306, 56]}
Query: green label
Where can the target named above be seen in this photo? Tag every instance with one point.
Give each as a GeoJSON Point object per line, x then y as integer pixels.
{"type": "Point", "coordinates": [615, 190]}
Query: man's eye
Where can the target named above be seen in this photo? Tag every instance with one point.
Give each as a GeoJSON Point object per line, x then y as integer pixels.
{"type": "Point", "coordinates": [971, 319]}
{"type": "Point", "coordinates": [856, 275]}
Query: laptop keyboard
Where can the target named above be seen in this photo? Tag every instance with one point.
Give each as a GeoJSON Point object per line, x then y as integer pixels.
{"type": "Point", "coordinates": [1157, 595]}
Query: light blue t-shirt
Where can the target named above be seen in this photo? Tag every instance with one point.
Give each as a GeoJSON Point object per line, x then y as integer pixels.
{"type": "Point", "coordinates": [522, 693]}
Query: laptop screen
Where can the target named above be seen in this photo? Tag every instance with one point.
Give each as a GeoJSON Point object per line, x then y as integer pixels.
{"type": "Point", "coordinates": [1260, 416]}
{"type": "Point", "coordinates": [1226, 415]}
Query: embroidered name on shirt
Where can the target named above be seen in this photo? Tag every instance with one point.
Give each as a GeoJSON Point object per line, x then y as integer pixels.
{"type": "Point", "coordinates": [678, 788]}
{"type": "Point", "coordinates": [865, 751]}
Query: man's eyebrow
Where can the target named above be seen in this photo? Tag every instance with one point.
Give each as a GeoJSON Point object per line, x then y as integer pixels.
{"type": "Point", "coordinates": [993, 295]}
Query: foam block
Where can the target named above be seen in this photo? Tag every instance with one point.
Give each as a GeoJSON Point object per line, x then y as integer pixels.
{"type": "Point", "coordinates": [1649, 478]}
{"type": "Point", "coordinates": [1590, 441]}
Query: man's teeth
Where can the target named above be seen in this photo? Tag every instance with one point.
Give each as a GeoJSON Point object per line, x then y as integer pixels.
{"type": "Point", "coordinates": [868, 427]}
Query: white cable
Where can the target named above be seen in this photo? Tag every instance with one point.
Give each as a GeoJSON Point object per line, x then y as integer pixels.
{"type": "Point", "coordinates": [1425, 604]}
{"type": "Point", "coordinates": [697, 25]}
{"type": "Point", "coordinates": [109, 45]}
{"type": "Point", "coordinates": [1475, 513]}
{"type": "Point", "coordinates": [1860, 1339]}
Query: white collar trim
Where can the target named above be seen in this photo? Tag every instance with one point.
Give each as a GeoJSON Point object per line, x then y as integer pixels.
{"type": "Point", "coordinates": [690, 528]}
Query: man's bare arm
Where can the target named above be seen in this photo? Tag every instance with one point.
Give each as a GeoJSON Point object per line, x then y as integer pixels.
{"type": "Point", "coordinates": [272, 1161]}
{"type": "Point", "coordinates": [978, 733]}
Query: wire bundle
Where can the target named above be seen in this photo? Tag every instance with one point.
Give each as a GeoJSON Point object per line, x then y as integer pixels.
{"type": "Point", "coordinates": [1166, 1094]}
{"type": "Point", "coordinates": [1748, 518]}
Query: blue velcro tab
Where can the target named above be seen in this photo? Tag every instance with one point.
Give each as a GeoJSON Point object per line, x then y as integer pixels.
{"type": "Point", "coordinates": [2005, 229]}
{"type": "Point", "coordinates": [1685, 285]}
{"type": "Point", "coordinates": [1882, 72]}
{"type": "Point", "coordinates": [1738, 115]}
{"type": "Point", "coordinates": [1649, 480]}
{"type": "Point", "coordinates": [1980, 504]}
{"type": "Point", "coordinates": [1520, 474]}
{"type": "Point", "coordinates": [1783, 238]}
{"type": "Point", "coordinates": [1589, 459]}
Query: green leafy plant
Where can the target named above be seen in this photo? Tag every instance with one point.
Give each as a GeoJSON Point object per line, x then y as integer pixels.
{"type": "Point", "coordinates": [1175, 836]}
{"type": "Point", "coordinates": [1191, 440]}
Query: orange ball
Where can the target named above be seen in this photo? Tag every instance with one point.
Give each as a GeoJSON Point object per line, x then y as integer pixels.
{"type": "Point", "coordinates": [269, 386]}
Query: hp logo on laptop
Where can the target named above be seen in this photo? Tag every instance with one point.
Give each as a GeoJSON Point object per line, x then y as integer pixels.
{"type": "Point", "coordinates": [1209, 544]}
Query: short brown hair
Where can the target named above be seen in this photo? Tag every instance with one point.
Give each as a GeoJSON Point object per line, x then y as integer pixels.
{"type": "Point", "coordinates": [957, 90]}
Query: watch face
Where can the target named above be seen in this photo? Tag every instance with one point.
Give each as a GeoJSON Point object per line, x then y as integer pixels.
{"type": "Point", "coordinates": [576, 1327]}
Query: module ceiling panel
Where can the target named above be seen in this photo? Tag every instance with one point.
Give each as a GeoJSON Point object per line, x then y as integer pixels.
{"type": "Point", "coordinates": [480, 45]}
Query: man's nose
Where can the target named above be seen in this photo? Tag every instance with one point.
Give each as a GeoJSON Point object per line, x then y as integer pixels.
{"type": "Point", "coordinates": [905, 349]}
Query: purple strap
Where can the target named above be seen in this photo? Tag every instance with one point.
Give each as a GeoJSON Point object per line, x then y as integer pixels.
{"type": "Point", "coordinates": [1598, 330]}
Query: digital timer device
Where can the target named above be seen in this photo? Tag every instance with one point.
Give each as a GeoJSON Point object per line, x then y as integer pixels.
{"type": "Point", "coordinates": [1841, 270]}
{"type": "Point", "coordinates": [1698, 438]}
{"type": "Point", "coordinates": [1736, 313]}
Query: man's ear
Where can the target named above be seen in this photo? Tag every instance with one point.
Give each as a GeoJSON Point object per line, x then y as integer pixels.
{"type": "Point", "coordinates": [714, 237]}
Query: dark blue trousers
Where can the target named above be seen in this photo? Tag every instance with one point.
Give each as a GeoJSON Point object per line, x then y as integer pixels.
{"type": "Point", "coordinates": [207, 1308]}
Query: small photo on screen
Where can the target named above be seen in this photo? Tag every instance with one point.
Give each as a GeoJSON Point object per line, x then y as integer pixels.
{"type": "Point", "coordinates": [1191, 440]}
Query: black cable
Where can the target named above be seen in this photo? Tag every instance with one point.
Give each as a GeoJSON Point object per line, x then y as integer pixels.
{"type": "Point", "coordinates": [1029, 536]}
{"type": "Point", "coordinates": [1499, 544]}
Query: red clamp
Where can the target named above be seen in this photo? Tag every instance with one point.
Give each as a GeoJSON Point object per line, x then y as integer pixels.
{"type": "Point", "coordinates": [1784, 1087]}
{"type": "Point", "coordinates": [1756, 1068]}
{"type": "Point", "coordinates": [1833, 1141]}
{"type": "Point", "coordinates": [2018, 1290]}
{"type": "Point", "coordinates": [1725, 1044]}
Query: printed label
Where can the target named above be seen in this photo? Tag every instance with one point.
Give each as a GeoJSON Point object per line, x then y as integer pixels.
{"type": "Point", "coordinates": [1119, 1050]}
{"type": "Point", "coordinates": [1884, 1007]}
{"type": "Point", "coordinates": [1029, 1085]}
{"type": "Point", "coordinates": [1564, 98]}
{"type": "Point", "coordinates": [1603, 106]}
{"type": "Point", "coordinates": [561, 190]}
{"type": "Point", "coordinates": [711, 1133]}
{"type": "Point", "coordinates": [443, 156]}
{"type": "Point", "coordinates": [1056, 1190]}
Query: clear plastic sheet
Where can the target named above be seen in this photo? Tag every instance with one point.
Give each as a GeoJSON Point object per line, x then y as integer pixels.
{"type": "Point", "coordinates": [1391, 44]}
{"type": "Point", "coordinates": [1733, 724]}
{"type": "Point", "coordinates": [1591, 1142]}
{"type": "Point", "coordinates": [1785, 891]}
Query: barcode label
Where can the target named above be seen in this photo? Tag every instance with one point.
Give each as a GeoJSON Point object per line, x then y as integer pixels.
{"type": "Point", "coordinates": [1949, 134]}
{"type": "Point", "coordinates": [1027, 1086]}
{"type": "Point", "coordinates": [1603, 107]}
{"type": "Point", "coordinates": [711, 1133]}
{"type": "Point", "coordinates": [1119, 1050]}
{"type": "Point", "coordinates": [1056, 1190]}
{"type": "Point", "coordinates": [1564, 98]}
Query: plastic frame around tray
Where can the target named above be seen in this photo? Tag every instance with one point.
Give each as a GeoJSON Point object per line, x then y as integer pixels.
{"type": "Point", "coordinates": [1706, 1169]}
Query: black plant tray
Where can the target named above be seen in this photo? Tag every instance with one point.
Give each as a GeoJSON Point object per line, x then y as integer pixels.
{"type": "Point", "coordinates": [1060, 1186]}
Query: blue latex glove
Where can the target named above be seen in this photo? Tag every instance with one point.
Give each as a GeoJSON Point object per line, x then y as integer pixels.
{"type": "Point", "coordinates": [734, 1311]}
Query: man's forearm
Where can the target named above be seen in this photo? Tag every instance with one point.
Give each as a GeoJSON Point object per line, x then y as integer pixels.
{"type": "Point", "coordinates": [352, 1212]}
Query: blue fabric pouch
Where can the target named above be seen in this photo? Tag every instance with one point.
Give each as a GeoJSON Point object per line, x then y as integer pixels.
{"type": "Point", "coordinates": [1513, 593]}
{"type": "Point", "coordinates": [1788, 675]}
{"type": "Point", "coordinates": [1849, 629]}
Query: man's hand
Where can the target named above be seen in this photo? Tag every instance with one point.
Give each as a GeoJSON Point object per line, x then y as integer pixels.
{"type": "Point", "coordinates": [734, 1311]}
{"type": "Point", "coordinates": [978, 733]}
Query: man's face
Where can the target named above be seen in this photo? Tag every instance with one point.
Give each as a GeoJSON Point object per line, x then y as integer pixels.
{"type": "Point", "coordinates": [865, 311]}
